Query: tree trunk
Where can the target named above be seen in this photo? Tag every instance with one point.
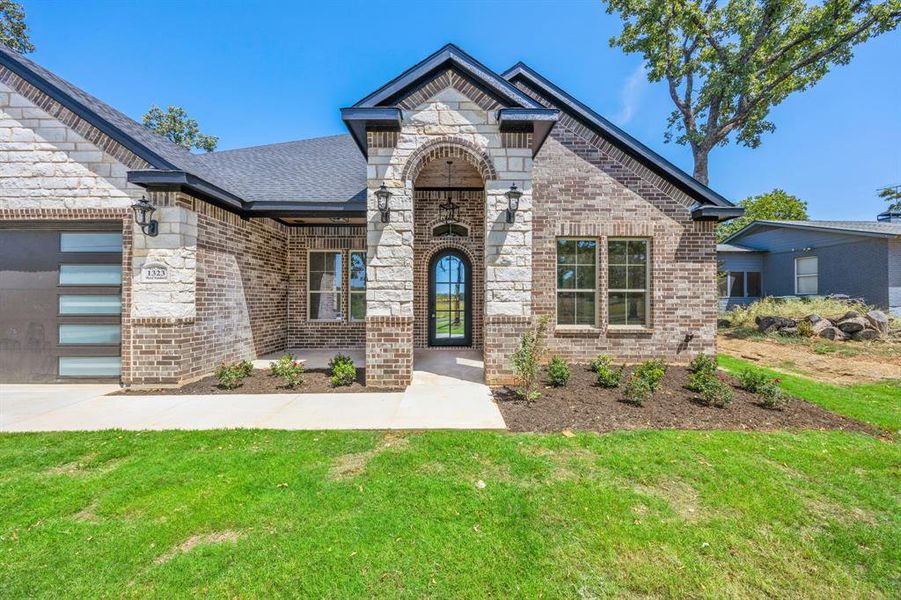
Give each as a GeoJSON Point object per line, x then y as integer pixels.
{"type": "Point", "coordinates": [700, 156]}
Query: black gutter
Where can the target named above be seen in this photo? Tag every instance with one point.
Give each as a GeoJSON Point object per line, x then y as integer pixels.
{"type": "Point", "coordinates": [179, 178]}
{"type": "Point", "coordinates": [626, 142]}
{"type": "Point", "coordinates": [716, 213]}
{"type": "Point", "coordinates": [84, 112]}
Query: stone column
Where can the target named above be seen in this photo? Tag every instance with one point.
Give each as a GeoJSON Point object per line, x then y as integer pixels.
{"type": "Point", "coordinates": [508, 263]}
{"type": "Point", "coordinates": [164, 273]}
{"type": "Point", "coordinates": [389, 278]}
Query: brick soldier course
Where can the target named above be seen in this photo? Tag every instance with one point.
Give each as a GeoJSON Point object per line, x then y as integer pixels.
{"type": "Point", "coordinates": [236, 228]}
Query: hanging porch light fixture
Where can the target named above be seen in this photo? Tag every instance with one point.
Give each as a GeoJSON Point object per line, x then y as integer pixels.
{"type": "Point", "coordinates": [447, 211]}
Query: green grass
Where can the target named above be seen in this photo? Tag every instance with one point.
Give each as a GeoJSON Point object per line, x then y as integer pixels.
{"type": "Point", "coordinates": [876, 403]}
{"type": "Point", "coordinates": [362, 514]}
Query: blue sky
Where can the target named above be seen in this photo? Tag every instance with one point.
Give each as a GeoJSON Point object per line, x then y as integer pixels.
{"type": "Point", "coordinates": [276, 71]}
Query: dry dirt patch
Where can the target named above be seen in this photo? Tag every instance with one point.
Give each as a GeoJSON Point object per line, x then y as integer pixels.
{"type": "Point", "coordinates": [680, 496]}
{"type": "Point", "coordinates": [830, 368]}
{"type": "Point", "coordinates": [217, 537]}
{"type": "Point", "coordinates": [351, 465]}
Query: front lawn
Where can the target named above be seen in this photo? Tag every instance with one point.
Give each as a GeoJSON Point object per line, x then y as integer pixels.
{"type": "Point", "coordinates": [876, 403]}
{"type": "Point", "coordinates": [449, 514]}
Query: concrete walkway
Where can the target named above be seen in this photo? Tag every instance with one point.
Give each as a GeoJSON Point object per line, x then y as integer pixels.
{"type": "Point", "coordinates": [446, 393]}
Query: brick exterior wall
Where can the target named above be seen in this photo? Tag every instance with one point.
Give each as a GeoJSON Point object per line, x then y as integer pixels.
{"type": "Point", "coordinates": [502, 333]}
{"type": "Point", "coordinates": [389, 351]}
{"type": "Point", "coordinates": [581, 191]}
{"type": "Point", "coordinates": [302, 332]}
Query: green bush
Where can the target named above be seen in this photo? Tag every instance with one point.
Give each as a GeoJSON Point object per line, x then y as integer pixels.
{"type": "Point", "coordinates": [229, 376]}
{"type": "Point", "coordinates": [697, 380]}
{"type": "Point", "coordinates": [772, 395]}
{"type": "Point", "coordinates": [558, 372]}
{"type": "Point", "coordinates": [638, 390]}
{"type": "Point", "coordinates": [608, 377]}
{"type": "Point", "coordinates": [343, 371]}
{"type": "Point", "coordinates": [703, 363]}
{"type": "Point", "coordinates": [246, 368]}
{"type": "Point", "coordinates": [716, 392]}
{"type": "Point", "coordinates": [290, 370]}
{"type": "Point", "coordinates": [752, 379]}
{"type": "Point", "coordinates": [805, 328]}
{"type": "Point", "coordinates": [652, 371]}
{"type": "Point", "coordinates": [527, 360]}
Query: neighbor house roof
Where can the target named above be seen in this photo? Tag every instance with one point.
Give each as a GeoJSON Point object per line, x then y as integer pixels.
{"type": "Point", "coordinates": [866, 228]}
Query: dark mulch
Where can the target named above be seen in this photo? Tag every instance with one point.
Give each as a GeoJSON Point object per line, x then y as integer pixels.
{"type": "Point", "coordinates": [582, 405]}
{"type": "Point", "coordinates": [263, 382]}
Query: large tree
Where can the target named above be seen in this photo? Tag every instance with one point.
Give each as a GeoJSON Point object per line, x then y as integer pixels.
{"type": "Point", "coordinates": [175, 124]}
{"type": "Point", "coordinates": [773, 206]}
{"type": "Point", "coordinates": [728, 63]}
{"type": "Point", "coordinates": [13, 30]}
{"type": "Point", "coordinates": [892, 195]}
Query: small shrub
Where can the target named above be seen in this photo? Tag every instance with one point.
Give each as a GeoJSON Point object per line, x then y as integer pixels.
{"type": "Point", "coordinates": [290, 370]}
{"type": "Point", "coordinates": [527, 359]}
{"type": "Point", "coordinates": [638, 390]}
{"type": "Point", "coordinates": [652, 371]}
{"type": "Point", "coordinates": [697, 380]}
{"type": "Point", "coordinates": [558, 372]}
{"type": "Point", "coordinates": [229, 376]}
{"type": "Point", "coordinates": [752, 379]}
{"type": "Point", "coordinates": [805, 328]}
{"type": "Point", "coordinates": [772, 395]}
{"type": "Point", "coordinates": [703, 363]}
{"type": "Point", "coordinates": [343, 371]}
{"type": "Point", "coordinates": [716, 392]}
{"type": "Point", "coordinates": [246, 368]}
{"type": "Point", "coordinates": [608, 377]}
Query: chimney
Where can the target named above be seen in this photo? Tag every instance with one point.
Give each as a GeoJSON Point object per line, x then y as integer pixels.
{"type": "Point", "coordinates": [892, 215]}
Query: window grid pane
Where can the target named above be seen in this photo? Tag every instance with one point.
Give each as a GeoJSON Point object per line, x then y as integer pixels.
{"type": "Point", "coordinates": [89, 366]}
{"type": "Point", "coordinates": [83, 304]}
{"type": "Point", "coordinates": [628, 282]}
{"type": "Point", "coordinates": [576, 281]}
{"type": "Point", "coordinates": [89, 334]}
{"type": "Point", "coordinates": [90, 274]}
{"type": "Point", "coordinates": [90, 242]}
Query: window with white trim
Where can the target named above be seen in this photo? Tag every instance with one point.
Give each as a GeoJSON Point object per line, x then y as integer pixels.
{"type": "Point", "coordinates": [325, 275]}
{"type": "Point", "coordinates": [576, 281]}
{"type": "Point", "coordinates": [628, 279]}
{"type": "Point", "coordinates": [357, 285]}
{"type": "Point", "coordinates": [740, 284]}
{"type": "Point", "coordinates": [806, 275]}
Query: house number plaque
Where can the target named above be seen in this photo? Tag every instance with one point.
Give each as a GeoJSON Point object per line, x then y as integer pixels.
{"type": "Point", "coordinates": [155, 272]}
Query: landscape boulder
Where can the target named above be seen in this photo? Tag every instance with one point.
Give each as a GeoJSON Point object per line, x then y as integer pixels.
{"type": "Point", "coordinates": [852, 325]}
{"type": "Point", "coordinates": [814, 319]}
{"type": "Point", "coordinates": [878, 321]}
{"type": "Point", "coordinates": [771, 324]}
{"type": "Point", "coordinates": [820, 326]}
{"type": "Point", "coordinates": [865, 335]}
{"type": "Point", "coordinates": [831, 332]}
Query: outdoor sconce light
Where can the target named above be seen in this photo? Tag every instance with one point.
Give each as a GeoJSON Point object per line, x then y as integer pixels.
{"type": "Point", "coordinates": [513, 195]}
{"type": "Point", "coordinates": [144, 217]}
{"type": "Point", "coordinates": [382, 194]}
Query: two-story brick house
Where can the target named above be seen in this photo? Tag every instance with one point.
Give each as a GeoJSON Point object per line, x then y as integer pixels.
{"type": "Point", "coordinates": [462, 205]}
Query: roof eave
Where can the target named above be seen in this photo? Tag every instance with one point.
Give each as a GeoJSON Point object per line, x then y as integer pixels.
{"type": "Point", "coordinates": [811, 227]}
{"type": "Point", "coordinates": [150, 178]}
{"type": "Point", "coordinates": [537, 121]}
{"type": "Point", "coordinates": [359, 119]}
{"type": "Point", "coordinates": [706, 212]}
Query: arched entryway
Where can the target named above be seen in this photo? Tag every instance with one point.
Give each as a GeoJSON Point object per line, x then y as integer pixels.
{"type": "Point", "coordinates": [450, 299]}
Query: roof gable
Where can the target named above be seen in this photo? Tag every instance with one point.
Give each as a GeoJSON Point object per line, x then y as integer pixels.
{"type": "Point", "coordinates": [713, 204]}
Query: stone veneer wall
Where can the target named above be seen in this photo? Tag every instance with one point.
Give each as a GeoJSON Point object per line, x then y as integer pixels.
{"type": "Point", "coordinates": [472, 215]}
{"type": "Point", "coordinates": [302, 332]}
{"type": "Point", "coordinates": [580, 190]}
{"type": "Point", "coordinates": [446, 118]}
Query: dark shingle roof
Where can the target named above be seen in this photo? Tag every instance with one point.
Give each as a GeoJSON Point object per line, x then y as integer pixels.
{"type": "Point", "coordinates": [326, 169]}
{"type": "Point", "coordinates": [866, 227]}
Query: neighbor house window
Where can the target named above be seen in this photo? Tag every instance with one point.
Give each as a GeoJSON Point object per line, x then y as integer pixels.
{"type": "Point", "coordinates": [740, 284]}
{"type": "Point", "coordinates": [627, 282]}
{"type": "Point", "coordinates": [576, 277]}
{"type": "Point", "coordinates": [357, 286]}
{"type": "Point", "coordinates": [806, 275]}
{"type": "Point", "coordinates": [325, 275]}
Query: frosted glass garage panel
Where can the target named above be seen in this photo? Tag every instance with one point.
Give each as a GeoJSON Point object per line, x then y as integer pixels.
{"type": "Point", "coordinates": [90, 242]}
{"type": "Point", "coordinates": [90, 366]}
{"type": "Point", "coordinates": [90, 334]}
{"type": "Point", "coordinates": [89, 304]}
{"type": "Point", "coordinates": [90, 274]}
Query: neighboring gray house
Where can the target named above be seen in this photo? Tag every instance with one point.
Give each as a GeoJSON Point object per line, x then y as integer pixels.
{"type": "Point", "coordinates": [814, 258]}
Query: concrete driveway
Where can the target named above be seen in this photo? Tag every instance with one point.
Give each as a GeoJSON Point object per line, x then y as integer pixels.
{"type": "Point", "coordinates": [446, 393]}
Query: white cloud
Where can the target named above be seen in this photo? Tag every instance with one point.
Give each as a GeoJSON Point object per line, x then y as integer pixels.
{"type": "Point", "coordinates": [630, 95]}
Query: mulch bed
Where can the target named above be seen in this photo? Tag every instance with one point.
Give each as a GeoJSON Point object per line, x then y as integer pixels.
{"type": "Point", "coordinates": [263, 382]}
{"type": "Point", "coordinates": [583, 405]}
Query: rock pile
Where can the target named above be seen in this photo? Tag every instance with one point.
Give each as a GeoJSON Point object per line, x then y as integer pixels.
{"type": "Point", "coordinates": [850, 325]}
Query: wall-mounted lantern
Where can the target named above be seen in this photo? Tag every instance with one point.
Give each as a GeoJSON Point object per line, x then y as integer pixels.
{"type": "Point", "coordinates": [513, 195]}
{"type": "Point", "coordinates": [382, 195]}
{"type": "Point", "coordinates": [144, 210]}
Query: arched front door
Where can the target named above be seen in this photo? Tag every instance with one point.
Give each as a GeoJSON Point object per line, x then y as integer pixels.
{"type": "Point", "coordinates": [450, 299]}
